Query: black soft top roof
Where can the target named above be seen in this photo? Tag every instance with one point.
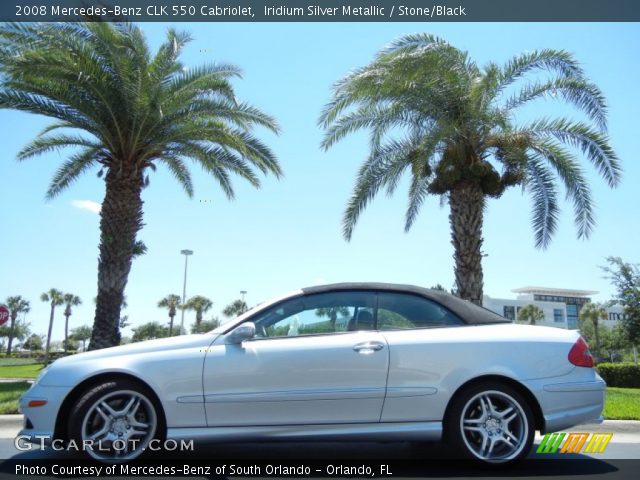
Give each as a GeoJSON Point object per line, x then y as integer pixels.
{"type": "Point", "coordinates": [472, 314]}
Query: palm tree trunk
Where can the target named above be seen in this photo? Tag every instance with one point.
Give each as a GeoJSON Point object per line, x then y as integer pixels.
{"type": "Point", "coordinates": [121, 219]}
{"type": "Point", "coordinates": [171, 325]}
{"type": "Point", "coordinates": [66, 332]}
{"type": "Point", "coordinates": [466, 202]}
{"type": "Point", "coordinates": [11, 332]}
{"type": "Point", "coordinates": [597, 335]}
{"type": "Point", "coordinates": [46, 349]}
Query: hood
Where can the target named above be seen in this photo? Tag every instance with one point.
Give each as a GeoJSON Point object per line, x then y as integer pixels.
{"type": "Point", "coordinates": [157, 345]}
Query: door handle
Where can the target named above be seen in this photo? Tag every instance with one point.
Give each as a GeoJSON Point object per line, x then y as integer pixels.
{"type": "Point", "coordinates": [367, 348]}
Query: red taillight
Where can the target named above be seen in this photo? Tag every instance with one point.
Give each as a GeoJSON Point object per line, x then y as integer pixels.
{"type": "Point", "coordinates": [579, 355]}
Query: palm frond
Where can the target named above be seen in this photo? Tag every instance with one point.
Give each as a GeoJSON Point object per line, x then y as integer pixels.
{"type": "Point", "coordinates": [71, 170]}
{"type": "Point", "coordinates": [39, 105]}
{"type": "Point", "coordinates": [417, 193]}
{"type": "Point", "coordinates": [383, 166]}
{"type": "Point", "coordinates": [593, 144]}
{"type": "Point", "coordinates": [559, 61]}
{"type": "Point", "coordinates": [233, 163]}
{"type": "Point", "coordinates": [377, 117]}
{"type": "Point", "coordinates": [573, 179]}
{"type": "Point", "coordinates": [545, 211]}
{"type": "Point", "coordinates": [211, 78]}
{"type": "Point", "coordinates": [165, 64]}
{"type": "Point", "coordinates": [43, 145]}
{"type": "Point", "coordinates": [179, 171]}
{"type": "Point", "coordinates": [413, 41]}
{"type": "Point", "coordinates": [583, 94]}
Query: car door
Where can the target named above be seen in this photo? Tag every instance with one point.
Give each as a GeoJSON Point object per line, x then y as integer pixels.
{"type": "Point", "coordinates": [424, 354]}
{"type": "Point", "coordinates": [314, 360]}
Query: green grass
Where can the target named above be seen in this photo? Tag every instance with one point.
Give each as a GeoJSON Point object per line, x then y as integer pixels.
{"type": "Point", "coordinates": [20, 371]}
{"type": "Point", "coordinates": [622, 404]}
{"type": "Point", "coordinates": [9, 362]}
{"type": "Point", "coordinates": [9, 395]}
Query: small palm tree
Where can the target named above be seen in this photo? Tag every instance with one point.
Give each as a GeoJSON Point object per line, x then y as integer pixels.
{"type": "Point", "coordinates": [81, 334]}
{"type": "Point", "coordinates": [530, 313]}
{"type": "Point", "coordinates": [235, 308]}
{"type": "Point", "coordinates": [332, 313]}
{"type": "Point", "coordinates": [451, 124]}
{"type": "Point", "coordinates": [127, 111]}
{"type": "Point", "coordinates": [70, 300]}
{"type": "Point", "coordinates": [171, 302]}
{"type": "Point", "coordinates": [201, 305]}
{"type": "Point", "coordinates": [149, 331]}
{"type": "Point", "coordinates": [16, 305]}
{"type": "Point", "coordinates": [205, 326]}
{"type": "Point", "coordinates": [594, 312]}
{"type": "Point", "coordinates": [55, 298]}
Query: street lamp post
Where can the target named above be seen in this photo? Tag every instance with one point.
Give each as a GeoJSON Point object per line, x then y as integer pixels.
{"type": "Point", "coordinates": [243, 293]}
{"type": "Point", "coordinates": [186, 254]}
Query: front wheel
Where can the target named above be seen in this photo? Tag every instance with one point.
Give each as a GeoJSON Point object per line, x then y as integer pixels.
{"type": "Point", "coordinates": [114, 421]}
{"type": "Point", "coordinates": [491, 423]}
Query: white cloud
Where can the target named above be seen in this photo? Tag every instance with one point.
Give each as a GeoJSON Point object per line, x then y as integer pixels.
{"type": "Point", "coordinates": [90, 205]}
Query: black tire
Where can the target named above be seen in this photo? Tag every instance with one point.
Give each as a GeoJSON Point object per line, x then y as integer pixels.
{"type": "Point", "coordinates": [118, 419]}
{"type": "Point", "coordinates": [490, 422]}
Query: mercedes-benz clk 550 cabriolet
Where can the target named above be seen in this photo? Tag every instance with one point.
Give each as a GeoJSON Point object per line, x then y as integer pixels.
{"type": "Point", "coordinates": [344, 362]}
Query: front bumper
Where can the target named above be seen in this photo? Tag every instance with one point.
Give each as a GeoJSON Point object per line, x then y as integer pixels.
{"type": "Point", "coordinates": [39, 422]}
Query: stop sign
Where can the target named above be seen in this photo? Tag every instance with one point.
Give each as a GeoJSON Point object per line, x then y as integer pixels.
{"type": "Point", "coordinates": [4, 314]}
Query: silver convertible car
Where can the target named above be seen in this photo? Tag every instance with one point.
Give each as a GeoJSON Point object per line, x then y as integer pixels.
{"type": "Point", "coordinates": [352, 361]}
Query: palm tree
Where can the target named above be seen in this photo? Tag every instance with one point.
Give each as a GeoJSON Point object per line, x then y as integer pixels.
{"type": "Point", "coordinates": [171, 302]}
{"type": "Point", "coordinates": [432, 111]}
{"type": "Point", "coordinates": [235, 308]}
{"type": "Point", "coordinates": [205, 326]}
{"type": "Point", "coordinates": [16, 305]}
{"type": "Point", "coordinates": [70, 300]}
{"type": "Point", "coordinates": [200, 304]}
{"type": "Point", "coordinates": [530, 313]}
{"type": "Point", "coordinates": [126, 111]}
{"type": "Point", "coordinates": [55, 298]}
{"type": "Point", "coordinates": [594, 312]}
{"type": "Point", "coordinates": [149, 331]}
{"type": "Point", "coordinates": [332, 313]}
{"type": "Point", "coordinates": [81, 334]}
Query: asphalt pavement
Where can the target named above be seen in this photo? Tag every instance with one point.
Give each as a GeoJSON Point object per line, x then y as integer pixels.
{"type": "Point", "coordinates": [624, 445]}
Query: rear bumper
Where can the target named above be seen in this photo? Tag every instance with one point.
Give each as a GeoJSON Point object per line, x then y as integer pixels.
{"type": "Point", "coordinates": [568, 404]}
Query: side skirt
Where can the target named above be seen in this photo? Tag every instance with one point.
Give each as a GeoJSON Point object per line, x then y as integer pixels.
{"type": "Point", "coordinates": [407, 431]}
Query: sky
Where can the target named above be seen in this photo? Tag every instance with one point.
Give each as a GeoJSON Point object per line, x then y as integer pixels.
{"type": "Point", "coordinates": [287, 234]}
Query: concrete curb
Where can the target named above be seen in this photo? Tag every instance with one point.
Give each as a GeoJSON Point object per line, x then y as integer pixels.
{"type": "Point", "coordinates": [614, 426]}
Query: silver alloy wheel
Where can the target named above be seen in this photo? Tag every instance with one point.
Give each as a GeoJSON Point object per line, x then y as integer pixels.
{"type": "Point", "coordinates": [494, 426]}
{"type": "Point", "coordinates": [119, 426]}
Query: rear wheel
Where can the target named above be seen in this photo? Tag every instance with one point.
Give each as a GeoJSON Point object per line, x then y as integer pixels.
{"type": "Point", "coordinates": [492, 423]}
{"type": "Point", "coordinates": [115, 421]}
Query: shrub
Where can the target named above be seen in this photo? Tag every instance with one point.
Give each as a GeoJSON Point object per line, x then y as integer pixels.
{"type": "Point", "coordinates": [625, 375]}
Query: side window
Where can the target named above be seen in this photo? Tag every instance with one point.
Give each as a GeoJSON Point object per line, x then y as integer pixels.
{"type": "Point", "coordinates": [404, 311]}
{"type": "Point", "coordinates": [318, 314]}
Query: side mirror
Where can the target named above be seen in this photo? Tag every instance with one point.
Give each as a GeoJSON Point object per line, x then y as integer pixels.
{"type": "Point", "coordinates": [242, 332]}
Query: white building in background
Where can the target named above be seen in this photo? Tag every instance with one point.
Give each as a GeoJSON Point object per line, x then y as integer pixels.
{"type": "Point", "coordinates": [561, 306]}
